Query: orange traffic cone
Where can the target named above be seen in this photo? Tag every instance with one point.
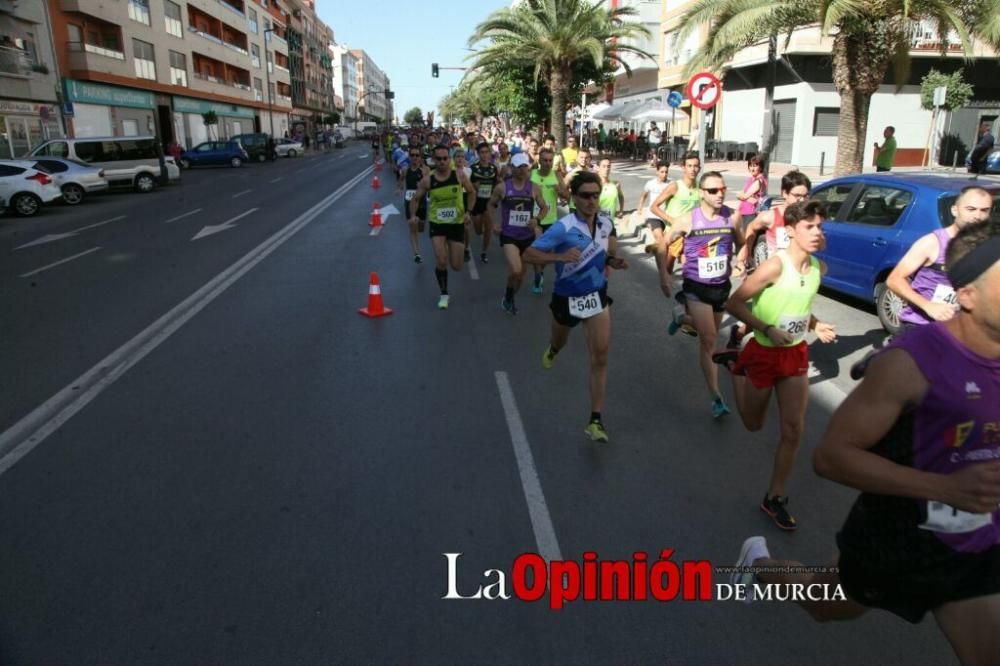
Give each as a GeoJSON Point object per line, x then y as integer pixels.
{"type": "Point", "coordinates": [375, 183]}
{"type": "Point", "coordinates": [378, 167]}
{"type": "Point", "coordinates": [375, 307]}
{"type": "Point", "coordinates": [376, 220]}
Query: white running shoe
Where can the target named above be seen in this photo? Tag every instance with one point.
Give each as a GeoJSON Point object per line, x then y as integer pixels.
{"type": "Point", "coordinates": [443, 302]}
{"type": "Point", "coordinates": [754, 548]}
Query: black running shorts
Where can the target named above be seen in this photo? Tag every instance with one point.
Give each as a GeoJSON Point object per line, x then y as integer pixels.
{"type": "Point", "coordinates": [715, 295]}
{"type": "Point", "coordinates": [560, 308]}
{"type": "Point", "coordinates": [454, 233]}
{"type": "Point", "coordinates": [522, 244]}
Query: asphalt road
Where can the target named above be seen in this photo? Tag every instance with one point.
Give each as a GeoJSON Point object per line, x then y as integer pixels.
{"type": "Point", "coordinates": [217, 460]}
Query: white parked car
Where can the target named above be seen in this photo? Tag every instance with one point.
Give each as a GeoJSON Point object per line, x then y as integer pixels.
{"type": "Point", "coordinates": [288, 148]}
{"type": "Point", "coordinates": [24, 189]}
{"type": "Point", "coordinates": [128, 161]}
{"type": "Point", "coordinates": [75, 179]}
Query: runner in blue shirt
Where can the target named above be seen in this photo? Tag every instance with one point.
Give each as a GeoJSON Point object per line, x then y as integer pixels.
{"type": "Point", "coordinates": [581, 245]}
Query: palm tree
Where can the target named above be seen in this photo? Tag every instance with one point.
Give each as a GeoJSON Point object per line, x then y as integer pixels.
{"type": "Point", "coordinates": [869, 36]}
{"type": "Point", "coordinates": [549, 36]}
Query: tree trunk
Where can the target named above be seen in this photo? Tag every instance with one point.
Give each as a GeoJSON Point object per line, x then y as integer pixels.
{"type": "Point", "coordinates": [768, 135]}
{"type": "Point", "coordinates": [852, 131]}
{"type": "Point", "coordinates": [559, 87]}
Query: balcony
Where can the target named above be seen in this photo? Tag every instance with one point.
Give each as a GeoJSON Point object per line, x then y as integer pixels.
{"type": "Point", "coordinates": [109, 11]}
{"type": "Point", "coordinates": [91, 57]}
{"type": "Point", "coordinates": [15, 61]}
{"type": "Point", "coordinates": [235, 6]}
{"type": "Point", "coordinates": [283, 100]}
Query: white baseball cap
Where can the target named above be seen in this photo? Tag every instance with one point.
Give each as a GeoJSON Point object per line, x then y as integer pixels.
{"type": "Point", "coordinates": [519, 160]}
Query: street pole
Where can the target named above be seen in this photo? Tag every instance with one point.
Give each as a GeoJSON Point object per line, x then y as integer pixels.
{"type": "Point", "coordinates": [267, 75]}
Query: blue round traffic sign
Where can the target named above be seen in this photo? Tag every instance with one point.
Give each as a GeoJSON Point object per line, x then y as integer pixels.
{"type": "Point", "coordinates": [675, 98]}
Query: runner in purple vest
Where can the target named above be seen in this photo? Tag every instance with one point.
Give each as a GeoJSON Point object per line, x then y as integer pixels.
{"type": "Point", "coordinates": [919, 278]}
{"type": "Point", "coordinates": [712, 233]}
{"type": "Point", "coordinates": [516, 223]}
{"type": "Point", "coordinates": [920, 437]}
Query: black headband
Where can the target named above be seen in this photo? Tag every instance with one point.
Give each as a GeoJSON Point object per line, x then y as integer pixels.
{"type": "Point", "coordinates": [975, 263]}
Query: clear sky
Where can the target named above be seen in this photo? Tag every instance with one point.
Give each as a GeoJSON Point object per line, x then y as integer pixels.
{"type": "Point", "coordinates": [404, 37]}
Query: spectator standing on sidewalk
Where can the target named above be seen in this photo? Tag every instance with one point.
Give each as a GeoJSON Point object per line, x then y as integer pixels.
{"type": "Point", "coordinates": [885, 154]}
{"type": "Point", "coordinates": [977, 158]}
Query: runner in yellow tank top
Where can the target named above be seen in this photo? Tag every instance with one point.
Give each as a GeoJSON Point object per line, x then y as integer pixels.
{"type": "Point", "coordinates": [777, 358]}
{"type": "Point", "coordinates": [676, 200]}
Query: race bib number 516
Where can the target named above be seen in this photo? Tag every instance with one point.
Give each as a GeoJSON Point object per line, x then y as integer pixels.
{"type": "Point", "coordinates": [712, 267]}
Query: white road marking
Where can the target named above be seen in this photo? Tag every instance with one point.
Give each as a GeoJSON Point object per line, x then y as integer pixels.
{"type": "Point", "coordinates": [473, 271]}
{"type": "Point", "coordinates": [181, 217]}
{"type": "Point", "coordinates": [275, 180]}
{"type": "Point", "coordinates": [228, 224]}
{"type": "Point", "coordinates": [59, 263]}
{"type": "Point", "coordinates": [239, 194]}
{"type": "Point", "coordinates": [101, 223]}
{"type": "Point", "coordinates": [69, 234]}
{"type": "Point", "coordinates": [538, 510]}
{"type": "Point", "coordinates": [375, 231]}
{"type": "Point", "coordinates": [33, 428]}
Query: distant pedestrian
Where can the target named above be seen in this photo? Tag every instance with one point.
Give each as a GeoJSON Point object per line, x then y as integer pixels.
{"type": "Point", "coordinates": [885, 154]}
{"type": "Point", "coordinates": [977, 158]}
{"type": "Point", "coordinates": [305, 142]}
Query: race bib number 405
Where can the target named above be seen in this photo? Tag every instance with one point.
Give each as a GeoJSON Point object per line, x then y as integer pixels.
{"type": "Point", "coordinates": [584, 307]}
{"type": "Point", "coordinates": [712, 267]}
{"type": "Point", "coordinates": [447, 214]}
{"type": "Point", "coordinates": [519, 218]}
{"type": "Point", "coordinates": [409, 194]}
{"type": "Point", "coordinates": [943, 293]}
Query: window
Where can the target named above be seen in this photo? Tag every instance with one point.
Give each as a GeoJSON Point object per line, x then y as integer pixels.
{"type": "Point", "coordinates": [55, 149]}
{"type": "Point", "coordinates": [258, 90]}
{"type": "Point", "coordinates": [255, 55]}
{"type": "Point", "coordinates": [130, 127]}
{"type": "Point", "coordinates": [138, 11]}
{"type": "Point", "coordinates": [74, 32]}
{"type": "Point", "coordinates": [826, 121]}
{"type": "Point", "coordinates": [178, 69]}
{"type": "Point", "coordinates": [270, 61]}
{"type": "Point", "coordinates": [267, 30]}
{"type": "Point", "coordinates": [833, 199]}
{"type": "Point", "coordinates": [172, 18]}
{"type": "Point", "coordinates": [270, 91]}
{"type": "Point", "coordinates": [7, 170]}
{"type": "Point", "coordinates": [879, 205]}
{"type": "Point", "coordinates": [252, 20]}
{"type": "Point", "coordinates": [52, 166]}
{"type": "Point", "coordinates": [145, 64]}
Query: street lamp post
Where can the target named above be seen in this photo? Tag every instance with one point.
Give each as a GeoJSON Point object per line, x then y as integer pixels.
{"type": "Point", "coordinates": [267, 74]}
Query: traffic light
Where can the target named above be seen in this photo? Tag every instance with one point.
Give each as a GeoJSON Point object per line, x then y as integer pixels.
{"type": "Point", "coordinates": [434, 70]}
{"type": "Point", "coordinates": [389, 94]}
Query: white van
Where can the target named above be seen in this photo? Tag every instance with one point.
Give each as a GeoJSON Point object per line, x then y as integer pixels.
{"type": "Point", "coordinates": [128, 161]}
{"type": "Point", "coordinates": [345, 131]}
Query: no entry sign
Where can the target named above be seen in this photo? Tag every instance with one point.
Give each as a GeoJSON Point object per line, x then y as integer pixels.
{"type": "Point", "coordinates": [704, 90]}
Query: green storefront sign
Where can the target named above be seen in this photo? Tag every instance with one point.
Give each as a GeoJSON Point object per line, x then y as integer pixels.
{"type": "Point", "coordinates": [94, 93]}
{"type": "Point", "coordinates": [188, 105]}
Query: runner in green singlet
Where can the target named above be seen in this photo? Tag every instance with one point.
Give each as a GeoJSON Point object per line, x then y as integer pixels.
{"type": "Point", "coordinates": [450, 197]}
{"type": "Point", "coordinates": [612, 200]}
{"type": "Point", "coordinates": [548, 181]}
{"type": "Point", "coordinates": [676, 199]}
{"type": "Point", "coordinates": [777, 357]}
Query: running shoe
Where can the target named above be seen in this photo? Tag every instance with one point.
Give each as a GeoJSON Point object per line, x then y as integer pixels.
{"type": "Point", "coordinates": [719, 408]}
{"type": "Point", "coordinates": [754, 549]}
{"type": "Point", "coordinates": [539, 283]}
{"type": "Point", "coordinates": [468, 255]}
{"type": "Point", "coordinates": [688, 329]}
{"type": "Point", "coordinates": [417, 259]}
{"type": "Point", "coordinates": [858, 368]}
{"type": "Point", "coordinates": [508, 306]}
{"type": "Point", "coordinates": [483, 258]}
{"type": "Point", "coordinates": [443, 302]}
{"type": "Point", "coordinates": [676, 317]}
{"type": "Point", "coordinates": [596, 432]}
{"type": "Point", "coordinates": [735, 337]}
{"type": "Point", "coordinates": [548, 358]}
{"type": "Point", "coordinates": [650, 248]}
{"type": "Point", "coordinates": [776, 507]}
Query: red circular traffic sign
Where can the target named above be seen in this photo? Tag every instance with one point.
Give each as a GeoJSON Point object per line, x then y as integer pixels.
{"type": "Point", "coordinates": [704, 90]}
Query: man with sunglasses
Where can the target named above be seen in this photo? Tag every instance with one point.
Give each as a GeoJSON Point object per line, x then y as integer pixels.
{"type": "Point", "coordinates": [484, 178]}
{"type": "Point", "coordinates": [581, 245]}
{"type": "Point", "coordinates": [413, 173]}
{"type": "Point", "coordinates": [712, 232]}
{"type": "Point", "coordinates": [450, 197]}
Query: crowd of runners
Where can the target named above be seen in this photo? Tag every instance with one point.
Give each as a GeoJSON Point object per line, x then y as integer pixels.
{"type": "Point", "coordinates": [919, 435]}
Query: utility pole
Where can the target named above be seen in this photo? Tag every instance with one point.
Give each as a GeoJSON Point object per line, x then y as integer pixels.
{"type": "Point", "coordinates": [267, 74]}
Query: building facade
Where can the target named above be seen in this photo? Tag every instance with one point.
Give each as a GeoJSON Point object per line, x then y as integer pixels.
{"type": "Point", "coordinates": [372, 86]}
{"type": "Point", "coordinates": [29, 104]}
{"type": "Point", "coordinates": [139, 67]}
{"type": "Point", "coordinates": [311, 68]}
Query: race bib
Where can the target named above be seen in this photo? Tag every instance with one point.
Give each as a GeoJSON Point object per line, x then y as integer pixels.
{"type": "Point", "coordinates": [409, 194]}
{"type": "Point", "coordinates": [447, 214]}
{"type": "Point", "coordinates": [484, 191]}
{"type": "Point", "coordinates": [519, 218]}
{"type": "Point", "coordinates": [947, 519]}
{"type": "Point", "coordinates": [943, 293]}
{"type": "Point", "coordinates": [781, 239]}
{"type": "Point", "coordinates": [585, 307]}
{"type": "Point", "coordinates": [712, 267]}
{"type": "Point", "coordinates": [795, 325]}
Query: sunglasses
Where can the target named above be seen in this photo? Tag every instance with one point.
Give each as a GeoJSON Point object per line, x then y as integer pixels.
{"type": "Point", "coordinates": [714, 190]}
{"type": "Point", "coordinates": [593, 196]}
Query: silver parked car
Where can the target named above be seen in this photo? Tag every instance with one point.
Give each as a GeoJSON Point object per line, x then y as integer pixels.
{"type": "Point", "coordinates": [75, 179]}
{"type": "Point", "coordinates": [288, 148]}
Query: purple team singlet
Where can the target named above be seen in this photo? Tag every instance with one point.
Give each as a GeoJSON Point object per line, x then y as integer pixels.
{"type": "Point", "coordinates": [956, 425]}
{"type": "Point", "coordinates": [516, 210]}
{"type": "Point", "coordinates": [931, 282]}
{"type": "Point", "coordinates": [708, 248]}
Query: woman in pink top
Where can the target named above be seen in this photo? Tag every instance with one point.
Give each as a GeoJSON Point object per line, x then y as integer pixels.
{"type": "Point", "coordinates": [754, 190]}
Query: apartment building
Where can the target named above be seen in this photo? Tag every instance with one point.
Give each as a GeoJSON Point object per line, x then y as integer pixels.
{"type": "Point", "coordinates": [806, 103]}
{"type": "Point", "coordinates": [135, 67]}
{"type": "Point", "coordinates": [643, 84]}
{"type": "Point", "coordinates": [312, 67]}
{"type": "Point", "coordinates": [347, 83]}
{"type": "Point", "coordinates": [373, 83]}
{"type": "Point", "coordinates": [29, 105]}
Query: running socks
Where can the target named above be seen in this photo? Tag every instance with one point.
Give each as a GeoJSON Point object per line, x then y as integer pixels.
{"type": "Point", "coordinates": [595, 417]}
{"type": "Point", "coordinates": [442, 278]}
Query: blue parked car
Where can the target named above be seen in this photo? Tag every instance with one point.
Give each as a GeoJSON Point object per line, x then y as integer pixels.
{"type": "Point", "coordinates": [214, 153]}
{"type": "Point", "coordinates": [873, 221]}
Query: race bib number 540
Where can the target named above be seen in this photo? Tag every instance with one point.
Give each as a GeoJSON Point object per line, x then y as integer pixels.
{"type": "Point", "coordinates": [585, 307]}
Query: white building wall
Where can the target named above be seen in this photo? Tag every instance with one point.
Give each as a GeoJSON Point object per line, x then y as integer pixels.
{"type": "Point", "coordinates": [903, 112]}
